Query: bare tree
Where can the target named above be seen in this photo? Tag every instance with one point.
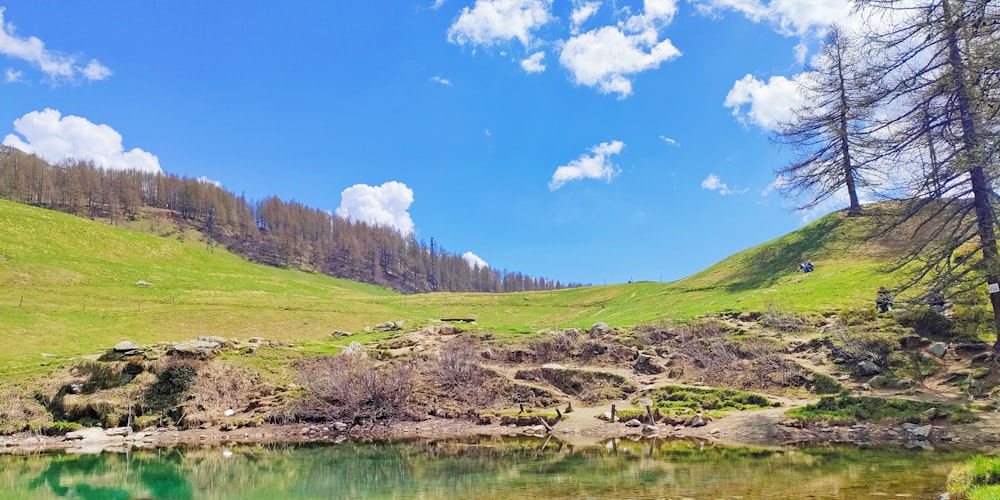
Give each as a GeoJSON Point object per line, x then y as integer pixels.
{"type": "Point", "coordinates": [937, 77]}
{"type": "Point", "coordinates": [828, 132]}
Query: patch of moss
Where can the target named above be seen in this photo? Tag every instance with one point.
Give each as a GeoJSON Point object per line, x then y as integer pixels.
{"type": "Point", "coordinates": [675, 400]}
{"type": "Point", "coordinates": [847, 410]}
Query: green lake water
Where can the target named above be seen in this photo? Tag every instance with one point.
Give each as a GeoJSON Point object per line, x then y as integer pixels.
{"type": "Point", "coordinates": [494, 468]}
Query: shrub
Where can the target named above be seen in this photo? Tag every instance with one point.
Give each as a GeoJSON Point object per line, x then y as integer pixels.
{"type": "Point", "coordinates": [459, 371]}
{"type": "Point", "coordinates": [19, 411]}
{"type": "Point", "coordinates": [351, 388]}
{"type": "Point", "coordinates": [163, 397]}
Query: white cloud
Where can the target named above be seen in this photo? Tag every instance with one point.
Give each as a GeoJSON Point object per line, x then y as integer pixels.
{"type": "Point", "coordinates": [55, 65]}
{"type": "Point", "coordinates": [443, 81]}
{"type": "Point", "coordinates": [474, 260]}
{"type": "Point", "coordinates": [765, 104]}
{"type": "Point", "coordinates": [589, 166]}
{"type": "Point", "coordinates": [437, 4]}
{"type": "Point", "coordinates": [534, 64]}
{"type": "Point", "coordinates": [56, 138]}
{"type": "Point", "coordinates": [582, 12]}
{"type": "Point", "coordinates": [491, 22]}
{"type": "Point", "coordinates": [603, 58]}
{"type": "Point", "coordinates": [789, 17]}
{"type": "Point", "coordinates": [13, 75]}
{"type": "Point", "coordinates": [96, 70]}
{"type": "Point", "coordinates": [668, 140]}
{"type": "Point", "coordinates": [714, 183]}
{"type": "Point", "coordinates": [206, 180]}
{"type": "Point", "coordinates": [384, 205]}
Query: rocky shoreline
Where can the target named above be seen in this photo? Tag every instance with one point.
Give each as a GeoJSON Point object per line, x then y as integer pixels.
{"type": "Point", "coordinates": [761, 429]}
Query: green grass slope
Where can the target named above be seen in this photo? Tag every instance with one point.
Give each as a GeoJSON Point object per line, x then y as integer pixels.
{"type": "Point", "coordinates": [68, 287]}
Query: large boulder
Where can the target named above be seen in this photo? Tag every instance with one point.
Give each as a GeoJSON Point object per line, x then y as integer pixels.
{"type": "Point", "coordinates": [198, 349]}
{"type": "Point", "coordinates": [600, 328]}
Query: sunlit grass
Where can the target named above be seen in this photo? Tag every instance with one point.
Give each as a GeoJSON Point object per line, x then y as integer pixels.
{"type": "Point", "coordinates": [68, 287]}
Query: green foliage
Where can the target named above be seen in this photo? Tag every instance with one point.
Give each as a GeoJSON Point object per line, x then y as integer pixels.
{"type": "Point", "coordinates": [164, 395]}
{"type": "Point", "coordinates": [676, 400]}
{"type": "Point", "coordinates": [926, 323]}
{"type": "Point", "coordinates": [847, 410]}
{"type": "Point", "coordinates": [979, 478]}
{"type": "Point", "coordinates": [60, 427]}
{"type": "Point", "coordinates": [824, 384]}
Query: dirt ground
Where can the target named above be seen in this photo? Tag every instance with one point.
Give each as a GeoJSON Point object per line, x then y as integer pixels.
{"type": "Point", "coordinates": [767, 428]}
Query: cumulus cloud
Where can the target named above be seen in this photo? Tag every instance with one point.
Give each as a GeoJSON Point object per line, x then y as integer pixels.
{"type": "Point", "coordinates": [534, 64]}
{"type": "Point", "coordinates": [765, 104]}
{"type": "Point", "coordinates": [474, 260]}
{"type": "Point", "coordinates": [443, 81]}
{"type": "Point", "coordinates": [384, 205]}
{"type": "Point", "coordinates": [492, 22]}
{"type": "Point", "coordinates": [581, 12]}
{"type": "Point", "coordinates": [714, 183]}
{"type": "Point", "coordinates": [55, 65]}
{"type": "Point", "coordinates": [789, 17]}
{"type": "Point", "coordinates": [605, 57]}
{"type": "Point", "coordinates": [596, 165]}
{"type": "Point", "coordinates": [13, 76]}
{"type": "Point", "coordinates": [54, 137]}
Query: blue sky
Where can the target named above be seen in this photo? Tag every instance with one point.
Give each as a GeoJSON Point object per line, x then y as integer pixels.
{"type": "Point", "coordinates": [585, 141]}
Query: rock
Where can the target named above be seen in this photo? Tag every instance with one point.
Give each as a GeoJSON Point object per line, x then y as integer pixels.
{"type": "Point", "coordinates": [143, 283]}
{"type": "Point", "coordinates": [697, 421]}
{"type": "Point", "coordinates": [633, 423]}
{"type": "Point", "coordinates": [938, 349]}
{"type": "Point", "coordinates": [650, 429]}
{"type": "Point", "coordinates": [340, 333]}
{"type": "Point", "coordinates": [600, 328]}
{"type": "Point", "coordinates": [918, 430]}
{"type": "Point", "coordinates": [606, 416]}
{"type": "Point", "coordinates": [931, 413]}
{"type": "Point", "coordinates": [340, 426]}
{"type": "Point", "coordinates": [200, 349]}
{"type": "Point", "coordinates": [126, 345]}
{"type": "Point", "coordinates": [868, 368]}
{"type": "Point", "coordinates": [910, 341]}
{"type": "Point", "coordinates": [117, 431]}
{"type": "Point", "coordinates": [389, 326]}
{"type": "Point", "coordinates": [645, 365]}
{"type": "Point", "coordinates": [87, 434]}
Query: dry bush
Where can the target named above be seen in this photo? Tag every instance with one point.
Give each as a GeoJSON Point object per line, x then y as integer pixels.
{"type": "Point", "coordinates": [653, 335]}
{"type": "Point", "coordinates": [783, 321]}
{"type": "Point", "coordinates": [588, 386]}
{"type": "Point", "coordinates": [854, 346]}
{"type": "Point", "coordinates": [459, 371]}
{"type": "Point", "coordinates": [554, 347]}
{"type": "Point", "coordinates": [352, 389]}
{"type": "Point", "coordinates": [220, 386]}
{"type": "Point", "coordinates": [20, 411]}
{"type": "Point", "coordinates": [746, 363]}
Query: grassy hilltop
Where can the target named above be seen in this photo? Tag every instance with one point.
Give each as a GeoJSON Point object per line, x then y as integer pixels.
{"type": "Point", "coordinates": [69, 287]}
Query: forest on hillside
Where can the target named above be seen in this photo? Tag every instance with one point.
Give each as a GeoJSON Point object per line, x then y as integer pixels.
{"type": "Point", "coordinates": [269, 231]}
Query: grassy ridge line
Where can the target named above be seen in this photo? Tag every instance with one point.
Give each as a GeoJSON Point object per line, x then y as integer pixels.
{"type": "Point", "coordinates": [69, 288]}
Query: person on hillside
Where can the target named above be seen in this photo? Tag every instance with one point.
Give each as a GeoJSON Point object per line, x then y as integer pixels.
{"type": "Point", "coordinates": [806, 266]}
{"type": "Point", "coordinates": [883, 300]}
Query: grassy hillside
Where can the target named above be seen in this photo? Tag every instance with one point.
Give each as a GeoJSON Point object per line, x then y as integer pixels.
{"type": "Point", "coordinates": [68, 286]}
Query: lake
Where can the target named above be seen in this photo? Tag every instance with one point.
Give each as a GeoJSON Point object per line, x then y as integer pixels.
{"type": "Point", "coordinates": [495, 467]}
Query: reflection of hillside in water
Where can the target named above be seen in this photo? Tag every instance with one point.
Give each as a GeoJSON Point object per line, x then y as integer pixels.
{"type": "Point", "coordinates": [487, 468]}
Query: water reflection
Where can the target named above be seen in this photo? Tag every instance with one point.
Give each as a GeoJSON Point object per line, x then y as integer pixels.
{"type": "Point", "coordinates": [484, 468]}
